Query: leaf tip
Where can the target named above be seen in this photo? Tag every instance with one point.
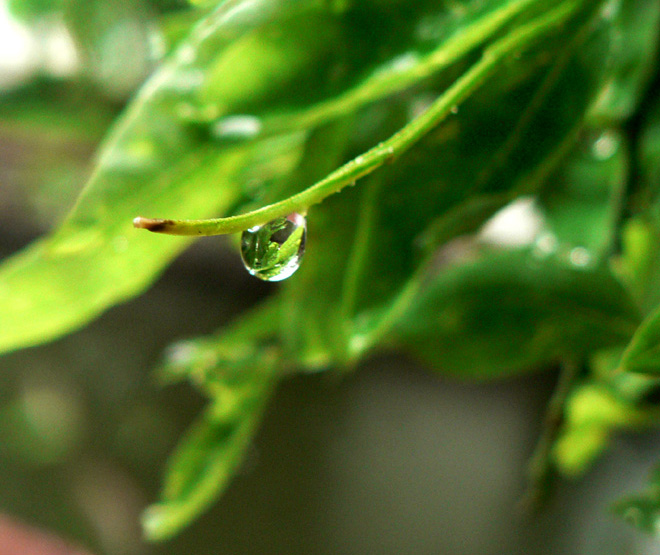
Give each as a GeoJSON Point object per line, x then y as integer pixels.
{"type": "Point", "coordinates": [155, 225]}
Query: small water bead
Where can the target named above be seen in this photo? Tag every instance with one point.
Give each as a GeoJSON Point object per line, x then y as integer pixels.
{"type": "Point", "coordinates": [272, 251]}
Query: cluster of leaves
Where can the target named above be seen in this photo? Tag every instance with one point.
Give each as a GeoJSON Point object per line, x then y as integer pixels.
{"type": "Point", "coordinates": [259, 99]}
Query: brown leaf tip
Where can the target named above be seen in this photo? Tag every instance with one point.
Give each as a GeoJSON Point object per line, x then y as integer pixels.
{"type": "Point", "coordinates": [155, 225]}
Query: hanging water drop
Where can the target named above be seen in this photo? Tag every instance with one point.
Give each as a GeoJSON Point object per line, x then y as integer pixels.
{"type": "Point", "coordinates": [272, 251]}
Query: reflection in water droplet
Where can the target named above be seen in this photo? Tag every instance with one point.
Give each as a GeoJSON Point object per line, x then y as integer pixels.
{"type": "Point", "coordinates": [272, 251]}
{"type": "Point", "coordinates": [605, 146]}
{"type": "Point", "coordinates": [236, 127]}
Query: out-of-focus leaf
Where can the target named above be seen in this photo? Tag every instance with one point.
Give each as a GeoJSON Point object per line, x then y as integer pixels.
{"type": "Point", "coordinates": [582, 201]}
{"type": "Point", "coordinates": [32, 9]}
{"type": "Point", "coordinates": [114, 40]}
{"type": "Point", "coordinates": [640, 264]}
{"type": "Point", "coordinates": [187, 148]}
{"type": "Point", "coordinates": [62, 111]}
{"type": "Point", "coordinates": [636, 24]}
{"type": "Point", "coordinates": [510, 311]}
{"type": "Point", "coordinates": [49, 132]}
{"type": "Point", "coordinates": [593, 412]}
{"type": "Point", "coordinates": [643, 351]}
{"type": "Point", "coordinates": [643, 510]}
{"type": "Point", "coordinates": [208, 456]}
{"type": "Point", "coordinates": [237, 369]}
{"type": "Point", "coordinates": [502, 142]}
{"type": "Point", "coordinates": [606, 402]}
{"type": "Point", "coordinates": [222, 358]}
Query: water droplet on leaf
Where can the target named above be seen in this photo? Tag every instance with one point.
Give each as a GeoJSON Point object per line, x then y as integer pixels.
{"type": "Point", "coordinates": [272, 251]}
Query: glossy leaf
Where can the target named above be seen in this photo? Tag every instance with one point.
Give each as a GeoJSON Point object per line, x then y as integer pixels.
{"type": "Point", "coordinates": [171, 153]}
{"type": "Point", "coordinates": [484, 150]}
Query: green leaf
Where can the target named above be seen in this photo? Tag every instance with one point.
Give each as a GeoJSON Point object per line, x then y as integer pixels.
{"type": "Point", "coordinates": [582, 201]}
{"type": "Point", "coordinates": [640, 264]}
{"type": "Point", "coordinates": [32, 9]}
{"type": "Point", "coordinates": [636, 24]}
{"type": "Point", "coordinates": [511, 311]}
{"type": "Point", "coordinates": [113, 38]}
{"type": "Point", "coordinates": [186, 148]}
{"type": "Point", "coordinates": [593, 412]}
{"type": "Point", "coordinates": [643, 510]}
{"type": "Point", "coordinates": [204, 462]}
{"type": "Point", "coordinates": [363, 260]}
{"type": "Point", "coordinates": [52, 129]}
{"type": "Point", "coordinates": [223, 357]}
{"type": "Point", "coordinates": [237, 369]}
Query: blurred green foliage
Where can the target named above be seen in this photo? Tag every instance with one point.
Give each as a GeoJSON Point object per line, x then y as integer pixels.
{"type": "Point", "coordinates": [249, 102]}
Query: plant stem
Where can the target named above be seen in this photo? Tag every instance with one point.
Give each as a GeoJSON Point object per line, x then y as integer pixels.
{"type": "Point", "coordinates": [541, 471]}
{"type": "Point", "coordinates": [491, 61]}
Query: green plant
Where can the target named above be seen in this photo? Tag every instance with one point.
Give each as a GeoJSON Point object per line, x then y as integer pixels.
{"type": "Point", "coordinates": [440, 113]}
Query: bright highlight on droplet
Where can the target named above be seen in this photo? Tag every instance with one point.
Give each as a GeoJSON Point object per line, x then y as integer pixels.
{"type": "Point", "coordinates": [272, 251]}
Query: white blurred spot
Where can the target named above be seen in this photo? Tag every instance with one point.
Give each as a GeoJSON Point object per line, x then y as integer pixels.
{"type": "Point", "coordinates": [515, 225]}
{"type": "Point", "coordinates": [19, 51]}
{"type": "Point", "coordinates": [237, 127]}
{"type": "Point", "coordinates": [59, 55]}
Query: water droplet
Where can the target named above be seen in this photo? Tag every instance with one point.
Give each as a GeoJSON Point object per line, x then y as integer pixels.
{"type": "Point", "coordinates": [272, 251]}
{"type": "Point", "coordinates": [454, 110]}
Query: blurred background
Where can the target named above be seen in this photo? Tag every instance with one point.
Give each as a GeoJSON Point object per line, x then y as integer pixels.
{"type": "Point", "coordinates": [389, 460]}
